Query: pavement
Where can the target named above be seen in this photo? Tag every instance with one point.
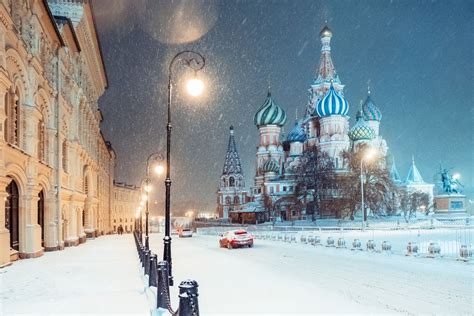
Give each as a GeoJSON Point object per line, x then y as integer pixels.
{"type": "Point", "coordinates": [96, 278]}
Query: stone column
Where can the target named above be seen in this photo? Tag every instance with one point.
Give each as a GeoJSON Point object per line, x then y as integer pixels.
{"type": "Point", "coordinates": [31, 232]}
{"type": "Point", "coordinates": [51, 238]}
{"type": "Point", "coordinates": [4, 233]}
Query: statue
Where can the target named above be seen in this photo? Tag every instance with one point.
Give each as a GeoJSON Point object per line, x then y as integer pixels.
{"type": "Point", "coordinates": [450, 183]}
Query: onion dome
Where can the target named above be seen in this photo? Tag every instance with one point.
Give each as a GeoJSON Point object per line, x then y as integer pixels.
{"type": "Point", "coordinates": [297, 134]}
{"type": "Point", "coordinates": [333, 103]}
{"type": "Point", "coordinates": [270, 113]}
{"type": "Point", "coordinates": [370, 111]}
{"type": "Point", "coordinates": [325, 32]}
{"type": "Point", "coordinates": [270, 165]}
{"type": "Point", "coordinates": [361, 130]}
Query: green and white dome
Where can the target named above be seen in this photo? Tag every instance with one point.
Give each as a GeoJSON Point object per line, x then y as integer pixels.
{"type": "Point", "coordinates": [270, 165]}
{"type": "Point", "coordinates": [361, 130]}
{"type": "Point", "coordinates": [270, 113]}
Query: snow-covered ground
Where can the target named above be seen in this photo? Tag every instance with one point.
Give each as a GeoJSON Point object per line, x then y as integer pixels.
{"type": "Point", "coordinates": [273, 278]}
{"type": "Point", "coordinates": [292, 279]}
{"type": "Point", "coordinates": [96, 278]}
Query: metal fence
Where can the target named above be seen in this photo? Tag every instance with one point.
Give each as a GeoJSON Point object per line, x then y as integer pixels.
{"type": "Point", "coordinates": [428, 239]}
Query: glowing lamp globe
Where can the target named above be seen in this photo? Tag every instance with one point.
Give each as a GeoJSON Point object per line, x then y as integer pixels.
{"type": "Point", "coordinates": [195, 87]}
{"type": "Point", "coordinates": [159, 169]}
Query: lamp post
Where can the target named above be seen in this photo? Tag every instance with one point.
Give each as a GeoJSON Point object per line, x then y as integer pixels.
{"type": "Point", "coordinates": [367, 156]}
{"type": "Point", "coordinates": [196, 62]}
{"type": "Point", "coordinates": [155, 156]}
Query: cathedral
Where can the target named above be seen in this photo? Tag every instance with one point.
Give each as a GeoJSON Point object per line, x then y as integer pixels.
{"type": "Point", "coordinates": [325, 124]}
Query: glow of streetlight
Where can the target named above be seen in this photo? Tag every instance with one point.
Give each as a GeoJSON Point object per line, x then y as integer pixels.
{"type": "Point", "coordinates": [159, 169]}
{"type": "Point", "coordinates": [456, 176]}
{"type": "Point", "coordinates": [144, 198]}
{"type": "Point", "coordinates": [370, 154]}
{"type": "Point", "coordinates": [195, 87]}
{"type": "Point", "coordinates": [142, 203]}
{"type": "Point", "coordinates": [148, 188]}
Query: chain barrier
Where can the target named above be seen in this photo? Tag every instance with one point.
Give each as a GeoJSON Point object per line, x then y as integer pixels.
{"type": "Point", "coordinates": [158, 276]}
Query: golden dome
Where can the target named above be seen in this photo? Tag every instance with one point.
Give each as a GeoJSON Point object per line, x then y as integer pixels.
{"type": "Point", "coordinates": [325, 32]}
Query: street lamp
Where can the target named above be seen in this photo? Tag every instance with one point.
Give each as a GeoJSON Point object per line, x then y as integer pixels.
{"type": "Point", "coordinates": [196, 62]}
{"type": "Point", "coordinates": [367, 156]}
{"type": "Point", "coordinates": [154, 156]}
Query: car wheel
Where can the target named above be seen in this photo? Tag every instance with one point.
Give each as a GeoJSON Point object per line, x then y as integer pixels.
{"type": "Point", "coordinates": [251, 245]}
{"type": "Point", "coordinates": [229, 246]}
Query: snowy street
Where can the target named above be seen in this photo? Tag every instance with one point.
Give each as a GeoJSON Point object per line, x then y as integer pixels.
{"type": "Point", "coordinates": [102, 277]}
{"type": "Point", "coordinates": [282, 278]}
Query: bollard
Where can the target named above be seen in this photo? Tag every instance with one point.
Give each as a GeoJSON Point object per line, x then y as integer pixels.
{"type": "Point", "coordinates": [464, 253]}
{"type": "Point", "coordinates": [370, 245]}
{"type": "Point", "coordinates": [386, 246]}
{"type": "Point", "coordinates": [293, 238]}
{"type": "Point", "coordinates": [188, 298]}
{"type": "Point", "coordinates": [330, 242]}
{"type": "Point", "coordinates": [433, 250]}
{"type": "Point", "coordinates": [142, 254]}
{"type": "Point", "coordinates": [310, 239]}
{"type": "Point", "coordinates": [146, 262]}
{"type": "Point", "coordinates": [341, 243]}
{"type": "Point", "coordinates": [287, 238]}
{"type": "Point", "coordinates": [152, 277]}
{"type": "Point", "coordinates": [317, 241]}
{"type": "Point", "coordinates": [162, 291]}
{"type": "Point", "coordinates": [412, 249]}
{"type": "Point", "coordinates": [356, 244]}
{"type": "Point", "coordinates": [303, 239]}
{"type": "Point", "coordinates": [280, 237]}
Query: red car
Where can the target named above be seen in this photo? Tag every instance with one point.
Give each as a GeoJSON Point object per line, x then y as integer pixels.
{"type": "Point", "coordinates": [236, 238]}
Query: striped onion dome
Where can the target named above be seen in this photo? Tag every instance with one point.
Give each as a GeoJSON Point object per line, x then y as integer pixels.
{"type": "Point", "coordinates": [297, 133]}
{"type": "Point", "coordinates": [270, 113]}
{"type": "Point", "coordinates": [370, 111]}
{"type": "Point", "coordinates": [270, 165]}
{"type": "Point", "coordinates": [333, 103]}
{"type": "Point", "coordinates": [361, 130]}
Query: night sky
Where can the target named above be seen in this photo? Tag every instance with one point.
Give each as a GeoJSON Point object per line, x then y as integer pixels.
{"type": "Point", "coordinates": [417, 55]}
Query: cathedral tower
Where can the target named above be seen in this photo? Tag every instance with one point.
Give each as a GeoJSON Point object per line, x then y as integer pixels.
{"type": "Point", "coordinates": [231, 195]}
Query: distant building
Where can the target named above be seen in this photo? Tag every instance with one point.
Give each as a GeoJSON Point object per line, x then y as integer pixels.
{"type": "Point", "coordinates": [325, 125]}
{"type": "Point", "coordinates": [126, 200]}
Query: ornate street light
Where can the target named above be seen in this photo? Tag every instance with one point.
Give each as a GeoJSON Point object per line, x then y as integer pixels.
{"type": "Point", "coordinates": [196, 62]}
{"type": "Point", "coordinates": [156, 157]}
{"type": "Point", "coordinates": [367, 156]}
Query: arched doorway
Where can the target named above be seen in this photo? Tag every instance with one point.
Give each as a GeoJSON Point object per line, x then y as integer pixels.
{"type": "Point", "coordinates": [12, 214]}
{"type": "Point", "coordinates": [41, 214]}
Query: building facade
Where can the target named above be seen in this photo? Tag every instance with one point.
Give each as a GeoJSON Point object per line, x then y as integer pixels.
{"type": "Point", "coordinates": [126, 201]}
{"type": "Point", "coordinates": [56, 169]}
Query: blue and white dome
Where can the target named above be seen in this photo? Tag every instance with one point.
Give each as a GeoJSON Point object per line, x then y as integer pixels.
{"type": "Point", "coordinates": [361, 130]}
{"type": "Point", "coordinates": [370, 111]}
{"type": "Point", "coordinates": [297, 134]}
{"type": "Point", "coordinates": [333, 103]}
{"type": "Point", "coordinates": [270, 165]}
{"type": "Point", "coordinates": [270, 113]}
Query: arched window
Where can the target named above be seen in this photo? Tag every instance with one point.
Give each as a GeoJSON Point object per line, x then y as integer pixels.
{"type": "Point", "coordinates": [41, 141]}
{"type": "Point", "coordinates": [64, 156]}
{"type": "Point", "coordinates": [11, 214]}
{"type": "Point", "coordinates": [236, 200]}
{"type": "Point", "coordinates": [41, 214]}
{"type": "Point", "coordinates": [228, 200]}
{"type": "Point", "coordinates": [12, 125]}
{"type": "Point", "coordinates": [86, 185]}
{"type": "Point", "coordinates": [231, 181]}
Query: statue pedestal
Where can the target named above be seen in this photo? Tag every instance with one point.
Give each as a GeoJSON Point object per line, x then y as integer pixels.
{"type": "Point", "coordinates": [450, 204]}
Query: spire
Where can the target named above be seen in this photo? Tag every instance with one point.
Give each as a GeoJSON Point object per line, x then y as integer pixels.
{"type": "Point", "coordinates": [394, 173]}
{"type": "Point", "coordinates": [414, 175]}
{"type": "Point", "coordinates": [232, 160]}
{"type": "Point", "coordinates": [326, 71]}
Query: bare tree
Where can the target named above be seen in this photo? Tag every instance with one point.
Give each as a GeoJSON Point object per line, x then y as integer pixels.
{"type": "Point", "coordinates": [315, 177]}
{"type": "Point", "coordinates": [379, 189]}
{"type": "Point", "coordinates": [411, 202]}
